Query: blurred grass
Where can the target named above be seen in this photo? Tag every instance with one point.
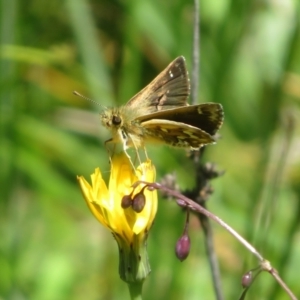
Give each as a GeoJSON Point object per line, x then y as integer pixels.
{"type": "Point", "coordinates": [51, 247]}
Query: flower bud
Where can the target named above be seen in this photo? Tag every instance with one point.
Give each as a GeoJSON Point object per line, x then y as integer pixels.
{"type": "Point", "coordinates": [247, 279]}
{"type": "Point", "coordinates": [126, 201]}
{"type": "Point", "coordinates": [138, 202]}
{"type": "Point", "coordinates": [130, 229]}
{"type": "Point", "coordinates": [182, 248]}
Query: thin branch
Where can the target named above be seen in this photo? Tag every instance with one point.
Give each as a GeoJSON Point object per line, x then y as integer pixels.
{"type": "Point", "coordinates": [282, 284]}
{"type": "Point", "coordinates": [200, 209]}
{"type": "Point", "coordinates": [212, 257]}
{"type": "Point", "coordinates": [196, 56]}
{"type": "Point", "coordinates": [209, 245]}
{"type": "Point", "coordinates": [184, 201]}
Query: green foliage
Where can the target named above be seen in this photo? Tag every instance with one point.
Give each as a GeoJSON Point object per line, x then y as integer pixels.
{"type": "Point", "coordinates": [51, 247]}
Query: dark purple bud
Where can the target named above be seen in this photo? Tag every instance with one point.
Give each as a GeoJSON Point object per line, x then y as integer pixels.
{"type": "Point", "coordinates": [138, 202]}
{"type": "Point", "coordinates": [247, 279]}
{"type": "Point", "coordinates": [126, 201]}
{"type": "Point", "coordinates": [182, 248]}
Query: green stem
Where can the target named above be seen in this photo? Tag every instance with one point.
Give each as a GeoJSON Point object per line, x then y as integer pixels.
{"type": "Point", "coordinates": [135, 290]}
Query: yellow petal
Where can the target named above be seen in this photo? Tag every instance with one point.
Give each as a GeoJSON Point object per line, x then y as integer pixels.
{"type": "Point", "coordinates": [94, 194]}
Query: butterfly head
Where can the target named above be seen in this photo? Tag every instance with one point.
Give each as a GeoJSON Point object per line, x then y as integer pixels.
{"type": "Point", "coordinates": [111, 119]}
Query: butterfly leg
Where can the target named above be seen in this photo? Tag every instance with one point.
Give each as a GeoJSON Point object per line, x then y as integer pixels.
{"type": "Point", "coordinates": [146, 154]}
{"type": "Point", "coordinates": [136, 150]}
{"type": "Point", "coordinates": [108, 150]}
{"type": "Point", "coordinates": [111, 153]}
{"type": "Point", "coordinates": [124, 149]}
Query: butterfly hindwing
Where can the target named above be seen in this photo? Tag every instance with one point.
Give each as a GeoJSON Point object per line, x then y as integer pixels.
{"type": "Point", "coordinates": [176, 134]}
{"type": "Point", "coordinates": [207, 116]}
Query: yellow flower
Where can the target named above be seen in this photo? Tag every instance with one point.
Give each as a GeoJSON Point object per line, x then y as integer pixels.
{"type": "Point", "coordinates": [129, 227]}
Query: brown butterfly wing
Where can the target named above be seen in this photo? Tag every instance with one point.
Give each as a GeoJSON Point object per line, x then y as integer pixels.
{"type": "Point", "coordinates": [169, 89]}
{"type": "Point", "coordinates": [207, 116]}
{"type": "Point", "coordinates": [175, 134]}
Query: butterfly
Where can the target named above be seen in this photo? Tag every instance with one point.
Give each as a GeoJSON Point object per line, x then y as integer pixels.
{"type": "Point", "coordinates": [159, 113]}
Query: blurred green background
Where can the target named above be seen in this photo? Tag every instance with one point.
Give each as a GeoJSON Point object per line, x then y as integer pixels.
{"type": "Point", "coordinates": [51, 246]}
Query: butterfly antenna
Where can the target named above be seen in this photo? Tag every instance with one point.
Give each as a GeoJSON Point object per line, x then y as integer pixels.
{"type": "Point", "coordinates": [86, 98]}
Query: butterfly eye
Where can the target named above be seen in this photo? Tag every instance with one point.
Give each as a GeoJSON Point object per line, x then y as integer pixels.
{"type": "Point", "coordinates": [116, 120]}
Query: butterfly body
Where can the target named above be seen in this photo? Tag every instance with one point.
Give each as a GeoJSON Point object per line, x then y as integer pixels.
{"type": "Point", "coordinates": [160, 114]}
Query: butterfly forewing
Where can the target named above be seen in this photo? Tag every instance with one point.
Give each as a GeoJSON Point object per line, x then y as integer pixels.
{"type": "Point", "coordinates": [169, 89]}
